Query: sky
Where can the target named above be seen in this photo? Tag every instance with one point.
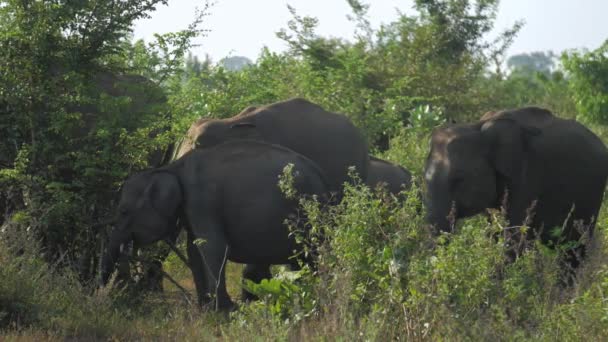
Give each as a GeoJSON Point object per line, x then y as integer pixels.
{"type": "Point", "coordinates": [244, 27]}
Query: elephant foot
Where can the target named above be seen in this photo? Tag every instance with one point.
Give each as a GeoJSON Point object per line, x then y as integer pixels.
{"type": "Point", "coordinates": [225, 305]}
{"type": "Point", "coordinates": [221, 304]}
{"type": "Point", "coordinates": [247, 296]}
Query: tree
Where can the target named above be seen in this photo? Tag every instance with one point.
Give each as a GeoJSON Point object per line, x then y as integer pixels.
{"type": "Point", "coordinates": [235, 63]}
{"type": "Point", "coordinates": [435, 57]}
{"type": "Point", "coordinates": [539, 61]}
{"type": "Point", "coordinates": [588, 75]}
{"type": "Point", "coordinates": [76, 116]}
{"type": "Point", "coordinates": [458, 26]}
{"type": "Point", "coordinates": [194, 67]}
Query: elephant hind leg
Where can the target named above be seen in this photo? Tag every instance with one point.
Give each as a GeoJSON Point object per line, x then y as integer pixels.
{"type": "Point", "coordinates": [256, 273]}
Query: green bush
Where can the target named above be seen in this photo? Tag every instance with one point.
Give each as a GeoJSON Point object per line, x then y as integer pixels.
{"type": "Point", "coordinates": [588, 72]}
{"type": "Point", "coordinates": [36, 294]}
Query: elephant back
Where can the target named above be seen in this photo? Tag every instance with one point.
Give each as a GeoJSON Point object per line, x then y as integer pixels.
{"type": "Point", "coordinates": [393, 175]}
{"type": "Point", "coordinates": [275, 157]}
{"type": "Point", "coordinates": [530, 116]}
{"type": "Point", "coordinates": [329, 139]}
{"type": "Point", "coordinates": [189, 142]}
{"type": "Point", "coordinates": [554, 129]}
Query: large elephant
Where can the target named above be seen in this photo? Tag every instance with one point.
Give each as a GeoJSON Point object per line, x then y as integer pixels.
{"type": "Point", "coordinates": [230, 201]}
{"type": "Point", "coordinates": [329, 139]}
{"type": "Point", "coordinates": [524, 158]}
{"type": "Point", "coordinates": [384, 173]}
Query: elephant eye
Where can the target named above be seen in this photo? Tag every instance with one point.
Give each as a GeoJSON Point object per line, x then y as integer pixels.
{"type": "Point", "coordinates": [123, 211]}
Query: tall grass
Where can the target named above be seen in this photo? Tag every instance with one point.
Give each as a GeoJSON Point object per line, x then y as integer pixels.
{"type": "Point", "coordinates": [381, 275]}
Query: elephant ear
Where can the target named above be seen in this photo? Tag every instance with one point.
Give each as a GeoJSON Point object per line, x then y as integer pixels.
{"type": "Point", "coordinates": [164, 193]}
{"type": "Point", "coordinates": [509, 143]}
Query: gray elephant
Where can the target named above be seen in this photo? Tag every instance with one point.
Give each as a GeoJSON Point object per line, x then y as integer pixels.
{"type": "Point", "coordinates": [380, 173]}
{"type": "Point", "coordinates": [329, 139]}
{"type": "Point", "coordinates": [524, 158]}
{"type": "Point", "coordinates": [231, 204]}
{"type": "Point", "coordinates": [386, 174]}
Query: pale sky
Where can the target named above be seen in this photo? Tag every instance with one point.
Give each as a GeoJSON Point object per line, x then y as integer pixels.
{"type": "Point", "coordinates": [243, 27]}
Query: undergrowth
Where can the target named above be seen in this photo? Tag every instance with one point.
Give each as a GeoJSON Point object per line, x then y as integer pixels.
{"type": "Point", "coordinates": [381, 275]}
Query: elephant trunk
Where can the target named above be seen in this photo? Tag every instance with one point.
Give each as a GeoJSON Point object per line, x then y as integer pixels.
{"type": "Point", "coordinates": [441, 212]}
{"type": "Point", "coordinates": [440, 222]}
{"type": "Point", "coordinates": [117, 240]}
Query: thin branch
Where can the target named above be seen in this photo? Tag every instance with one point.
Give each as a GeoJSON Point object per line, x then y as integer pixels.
{"type": "Point", "coordinates": [178, 253]}
{"type": "Point", "coordinates": [187, 295]}
{"type": "Point", "coordinates": [219, 276]}
{"type": "Point", "coordinates": [166, 275]}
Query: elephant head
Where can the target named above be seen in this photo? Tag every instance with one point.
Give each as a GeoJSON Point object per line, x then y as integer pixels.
{"type": "Point", "coordinates": [147, 212]}
{"type": "Point", "coordinates": [470, 166]}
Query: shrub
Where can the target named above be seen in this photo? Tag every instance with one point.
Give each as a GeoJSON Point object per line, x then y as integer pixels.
{"type": "Point", "coordinates": [588, 72]}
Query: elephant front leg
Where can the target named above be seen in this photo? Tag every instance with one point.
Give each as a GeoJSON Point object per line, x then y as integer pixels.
{"type": "Point", "coordinates": [256, 273]}
{"type": "Point", "coordinates": [214, 250]}
{"type": "Point", "coordinates": [198, 274]}
{"type": "Point", "coordinates": [521, 210]}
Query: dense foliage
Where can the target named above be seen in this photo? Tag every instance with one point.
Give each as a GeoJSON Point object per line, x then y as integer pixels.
{"type": "Point", "coordinates": [77, 115]}
{"type": "Point", "coordinates": [589, 83]}
{"type": "Point", "coordinates": [82, 107]}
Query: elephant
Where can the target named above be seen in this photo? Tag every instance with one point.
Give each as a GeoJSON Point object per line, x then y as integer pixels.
{"type": "Point", "coordinates": [392, 176]}
{"type": "Point", "coordinates": [522, 159]}
{"type": "Point", "coordinates": [328, 139]}
{"type": "Point", "coordinates": [380, 173]}
{"type": "Point", "coordinates": [231, 205]}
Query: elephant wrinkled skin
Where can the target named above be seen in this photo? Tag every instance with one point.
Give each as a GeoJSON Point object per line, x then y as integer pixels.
{"type": "Point", "coordinates": [230, 202]}
{"type": "Point", "coordinates": [535, 160]}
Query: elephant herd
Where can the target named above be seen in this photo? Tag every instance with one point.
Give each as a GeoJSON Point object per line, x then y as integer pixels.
{"type": "Point", "coordinates": [222, 184]}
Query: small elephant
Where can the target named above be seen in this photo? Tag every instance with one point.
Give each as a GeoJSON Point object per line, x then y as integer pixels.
{"type": "Point", "coordinates": [328, 139]}
{"type": "Point", "coordinates": [392, 176]}
{"type": "Point", "coordinates": [526, 157]}
{"type": "Point", "coordinates": [229, 199]}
